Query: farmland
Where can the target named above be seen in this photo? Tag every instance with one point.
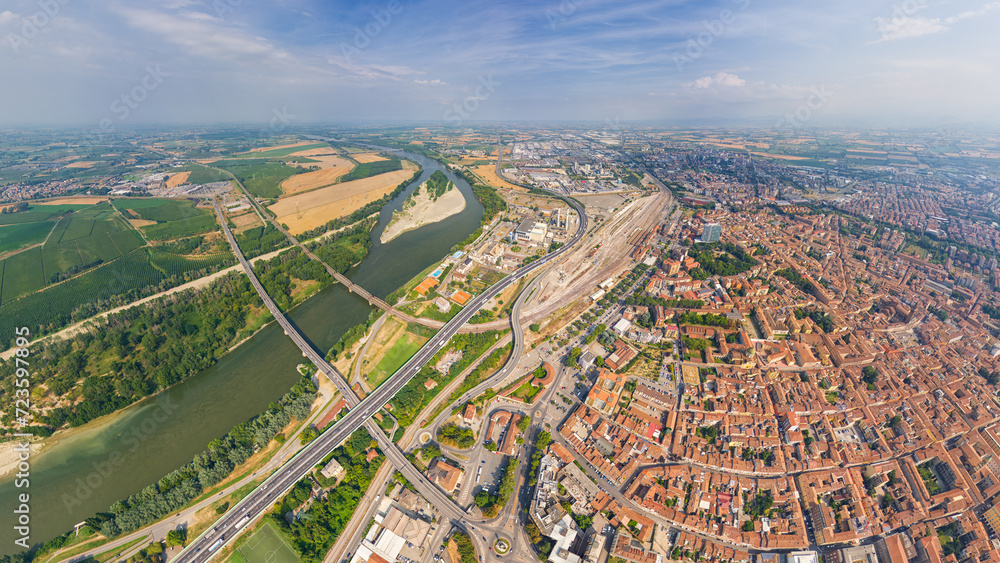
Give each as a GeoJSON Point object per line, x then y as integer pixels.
{"type": "Point", "coordinates": [16, 236]}
{"type": "Point", "coordinates": [137, 274]}
{"type": "Point", "coordinates": [312, 180]}
{"type": "Point", "coordinates": [38, 213]}
{"type": "Point", "coordinates": [84, 237]}
{"type": "Point", "coordinates": [368, 169]}
{"type": "Point", "coordinates": [260, 176]}
{"type": "Point", "coordinates": [278, 152]}
{"type": "Point", "coordinates": [315, 208]}
{"type": "Point", "coordinates": [174, 218]}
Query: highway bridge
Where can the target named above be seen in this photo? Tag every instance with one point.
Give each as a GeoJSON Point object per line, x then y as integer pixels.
{"type": "Point", "coordinates": [355, 288]}
{"type": "Point", "coordinates": [261, 499]}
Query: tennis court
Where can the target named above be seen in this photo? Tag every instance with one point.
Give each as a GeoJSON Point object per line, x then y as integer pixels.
{"type": "Point", "coordinates": [266, 546]}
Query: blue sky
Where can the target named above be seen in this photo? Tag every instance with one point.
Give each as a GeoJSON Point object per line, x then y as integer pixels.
{"type": "Point", "coordinates": [912, 62]}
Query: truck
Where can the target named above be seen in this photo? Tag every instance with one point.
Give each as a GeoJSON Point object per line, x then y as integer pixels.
{"type": "Point", "coordinates": [216, 545]}
{"type": "Point", "coordinates": [243, 522]}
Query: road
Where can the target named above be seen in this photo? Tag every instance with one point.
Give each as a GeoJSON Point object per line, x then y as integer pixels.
{"type": "Point", "coordinates": [259, 500]}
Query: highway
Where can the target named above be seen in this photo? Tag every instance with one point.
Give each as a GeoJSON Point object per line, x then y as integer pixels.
{"type": "Point", "coordinates": [258, 501]}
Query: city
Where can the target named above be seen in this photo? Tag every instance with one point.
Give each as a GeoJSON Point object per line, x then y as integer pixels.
{"type": "Point", "coordinates": [587, 282]}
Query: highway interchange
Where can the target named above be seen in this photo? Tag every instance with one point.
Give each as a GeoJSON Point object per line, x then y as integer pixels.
{"type": "Point", "coordinates": [263, 497]}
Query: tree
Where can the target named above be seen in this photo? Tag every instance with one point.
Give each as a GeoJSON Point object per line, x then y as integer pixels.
{"type": "Point", "coordinates": [534, 327]}
{"type": "Point", "coordinates": [869, 375]}
{"type": "Point", "coordinates": [177, 537]}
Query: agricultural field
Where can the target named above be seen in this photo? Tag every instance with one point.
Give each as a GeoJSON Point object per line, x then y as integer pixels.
{"type": "Point", "coordinates": [312, 180]}
{"type": "Point", "coordinates": [174, 218]}
{"type": "Point", "coordinates": [84, 237]}
{"type": "Point", "coordinates": [489, 175]}
{"type": "Point", "coordinates": [13, 237]}
{"type": "Point", "coordinates": [22, 274]}
{"type": "Point", "coordinates": [261, 177]}
{"type": "Point", "coordinates": [315, 208]}
{"type": "Point", "coordinates": [37, 213]}
{"type": "Point", "coordinates": [140, 272]}
{"type": "Point", "coordinates": [369, 169]}
{"type": "Point", "coordinates": [366, 157]}
{"type": "Point", "coordinates": [283, 150]}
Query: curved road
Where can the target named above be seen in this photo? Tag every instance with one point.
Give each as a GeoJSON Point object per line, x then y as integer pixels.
{"type": "Point", "coordinates": [259, 500]}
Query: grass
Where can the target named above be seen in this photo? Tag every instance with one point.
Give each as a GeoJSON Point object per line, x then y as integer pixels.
{"type": "Point", "coordinates": [13, 237]}
{"type": "Point", "coordinates": [110, 554]}
{"type": "Point", "coordinates": [236, 557]}
{"type": "Point", "coordinates": [527, 392]}
{"type": "Point", "coordinates": [267, 546]}
{"type": "Point", "coordinates": [395, 357]}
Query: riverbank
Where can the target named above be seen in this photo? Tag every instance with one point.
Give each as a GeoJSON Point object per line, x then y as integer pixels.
{"type": "Point", "coordinates": [9, 456]}
{"type": "Point", "coordinates": [422, 209]}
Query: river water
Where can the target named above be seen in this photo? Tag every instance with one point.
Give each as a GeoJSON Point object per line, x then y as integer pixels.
{"type": "Point", "coordinates": [120, 454]}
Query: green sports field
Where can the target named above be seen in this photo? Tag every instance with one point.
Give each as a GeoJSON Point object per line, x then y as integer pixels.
{"type": "Point", "coordinates": [266, 546]}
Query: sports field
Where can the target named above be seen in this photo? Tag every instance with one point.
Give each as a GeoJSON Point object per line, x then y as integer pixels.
{"type": "Point", "coordinates": [312, 209]}
{"type": "Point", "coordinates": [266, 546]}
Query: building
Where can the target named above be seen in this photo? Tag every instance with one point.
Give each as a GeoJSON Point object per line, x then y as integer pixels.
{"type": "Point", "coordinates": [444, 475]}
{"type": "Point", "coordinates": [332, 470]}
{"type": "Point", "coordinates": [711, 233]}
{"type": "Point", "coordinates": [859, 554]}
{"type": "Point", "coordinates": [897, 547]}
{"type": "Point", "coordinates": [803, 557]}
{"type": "Point", "coordinates": [564, 533]}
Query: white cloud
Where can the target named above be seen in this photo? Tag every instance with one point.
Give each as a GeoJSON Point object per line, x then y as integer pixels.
{"type": "Point", "coordinates": [435, 82]}
{"type": "Point", "coordinates": [906, 26]}
{"type": "Point", "coordinates": [8, 16]}
{"type": "Point", "coordinates": [721, 79]}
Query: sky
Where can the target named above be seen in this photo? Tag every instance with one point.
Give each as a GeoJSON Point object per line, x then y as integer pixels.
{"type": "Point", "coordinates": [280, 62]}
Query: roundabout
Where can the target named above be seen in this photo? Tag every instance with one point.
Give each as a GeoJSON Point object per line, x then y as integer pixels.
{"type": "Point", "coordinates": [501, 547]}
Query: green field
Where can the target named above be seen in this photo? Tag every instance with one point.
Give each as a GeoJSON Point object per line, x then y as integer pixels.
{"type": "Point", "coordinates": [138, 273]}
{"type": "Point", "coordinates": [182, 228]}
{"type": "Point", "coordinates": [261, 177]}
{"type": "Point", "coordinates": [277, 153]}
{"type": "Point", "coordinates": [267, 546]}
{"type": "Point", "coordinates": [15, 236]}
{"type": "Point", "coordinates": [202, 174]}
{"type": "Point", "coordinates": [37, 213]}
{"type": "Point", "coordinates": [22, 274]}
{"type": "Point", "coordinates": [395, 357]}
{"type": "Point", "coordinates": [369, 169]}
{"type": "Point", "coordinates": [175, 218]}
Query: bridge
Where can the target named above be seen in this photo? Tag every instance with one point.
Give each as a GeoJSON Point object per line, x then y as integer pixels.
{"type": "Point", "coordinates": [357, 289]}
{"type": "Point", "coordinates": [260, 499]}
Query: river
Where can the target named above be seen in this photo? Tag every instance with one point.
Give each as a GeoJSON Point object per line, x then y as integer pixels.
{"type": "Point", "coordinates": [110, 458]}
